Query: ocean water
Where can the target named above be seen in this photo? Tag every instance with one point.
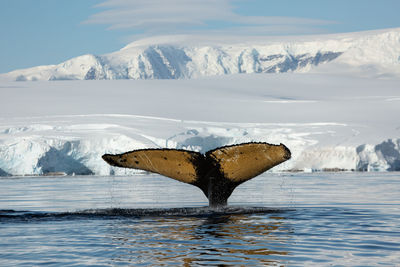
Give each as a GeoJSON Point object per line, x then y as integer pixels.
{"type": "Point", "coordinates": [318, 219]}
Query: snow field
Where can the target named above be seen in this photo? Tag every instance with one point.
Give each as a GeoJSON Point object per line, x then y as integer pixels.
{"type": "Point", "coordinates": [329, 122]}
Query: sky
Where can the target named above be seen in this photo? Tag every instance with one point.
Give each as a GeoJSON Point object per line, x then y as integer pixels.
{"type": "Point", "coordinates": [43, 32]}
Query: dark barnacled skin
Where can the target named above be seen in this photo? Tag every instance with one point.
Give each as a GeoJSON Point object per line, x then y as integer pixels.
{"type": "Point", "coordinates": [217, 173]}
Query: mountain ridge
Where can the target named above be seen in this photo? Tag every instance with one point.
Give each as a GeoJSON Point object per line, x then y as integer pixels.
{"type": "Point", "coordinates": [186, 57]}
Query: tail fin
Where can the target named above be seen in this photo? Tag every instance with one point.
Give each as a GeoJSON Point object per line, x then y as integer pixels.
{"type": "Point", "coordinates": [217, 173]}
{"type": "Point", "coordinates": [180, 165]}
{"type": "Point", "coordinates": [239, 163]}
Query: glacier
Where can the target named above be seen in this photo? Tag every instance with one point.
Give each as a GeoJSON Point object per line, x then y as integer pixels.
{"type": "Point", "coordinates": [330, 121]}
{"type": "Point", "coordinates": [186, 57]}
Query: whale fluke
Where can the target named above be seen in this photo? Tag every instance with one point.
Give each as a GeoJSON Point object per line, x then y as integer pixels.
{"type": "Point", "coordinates": [217, 173]}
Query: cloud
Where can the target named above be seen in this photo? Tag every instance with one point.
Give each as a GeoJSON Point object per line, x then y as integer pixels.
{"type": "Point", "coordinates": [152, 17]}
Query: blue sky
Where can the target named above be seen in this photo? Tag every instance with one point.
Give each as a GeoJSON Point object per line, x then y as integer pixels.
{"type": "Point", "coordinates": [41, 32]}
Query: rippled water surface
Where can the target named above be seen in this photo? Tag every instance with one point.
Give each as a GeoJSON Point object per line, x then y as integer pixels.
{"type": "Point", "coordinates": [320, 219]}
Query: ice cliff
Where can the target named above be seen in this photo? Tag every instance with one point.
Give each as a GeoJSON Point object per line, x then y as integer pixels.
{"type": "Point", "coordinates": [77, 149]}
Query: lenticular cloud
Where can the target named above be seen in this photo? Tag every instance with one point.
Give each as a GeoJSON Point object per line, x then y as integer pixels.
{"type": "Point", "coordinates": [191, 16]}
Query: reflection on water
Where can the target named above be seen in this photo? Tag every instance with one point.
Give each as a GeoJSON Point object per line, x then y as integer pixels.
{"type": "Point", "coordinates": [299, 220]}
{"type": "Point", "coordinates": [224, 239]}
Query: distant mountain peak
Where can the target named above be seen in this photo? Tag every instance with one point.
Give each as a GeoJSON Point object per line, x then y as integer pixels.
{"type": "Point", "coordinates": [185, 56]}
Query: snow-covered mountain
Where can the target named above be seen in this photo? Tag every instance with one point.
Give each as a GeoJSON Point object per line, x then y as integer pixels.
{"type": "Point", "coordinates": [330, 119]}
{"type": "Point", "coordinates": [177, 57]}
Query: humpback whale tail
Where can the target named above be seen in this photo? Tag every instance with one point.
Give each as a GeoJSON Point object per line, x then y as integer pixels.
{"type": "Point", "coordinates": [217, 173]}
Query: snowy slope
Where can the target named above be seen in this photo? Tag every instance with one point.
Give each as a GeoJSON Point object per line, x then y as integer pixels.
{"type": "Point", "coordinates": [328, 121]}
{"type": "Point", "coordinates": [177, 57]}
